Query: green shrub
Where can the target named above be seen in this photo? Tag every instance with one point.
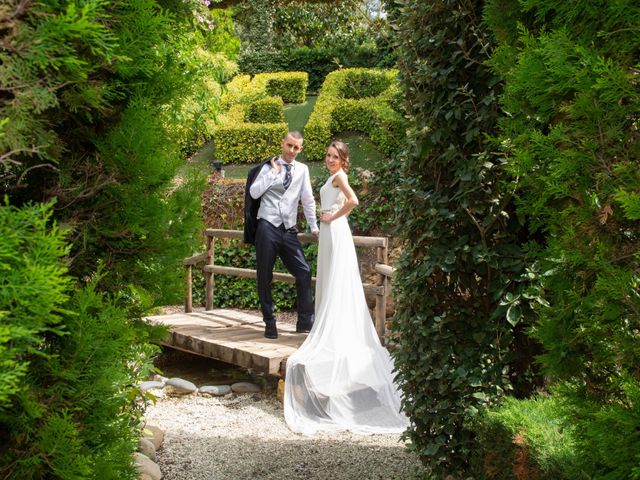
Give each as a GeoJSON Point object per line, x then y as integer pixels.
{"type": "Point", "coordinates": [69, 362]}
{"type": "Point", "coordinates": [265, 110]}
{"type": "Point", "coordinates": [364, 83]}
{"type": "Point", "coordinates": [356, 99]}
{"type": "Point", "coordinates": [527, 439]}
{"type": "Point", "coordinates": [318, 62]}
{"type": "Point", "coordinates": [105, 96]}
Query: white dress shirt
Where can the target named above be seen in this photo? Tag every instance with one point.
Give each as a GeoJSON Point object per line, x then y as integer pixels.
{"type": "Point", "coordinates": [278, 205]}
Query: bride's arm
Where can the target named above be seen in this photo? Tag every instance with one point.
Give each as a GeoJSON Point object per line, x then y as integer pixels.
{"type": "Point", "coordinates": [351, 200]}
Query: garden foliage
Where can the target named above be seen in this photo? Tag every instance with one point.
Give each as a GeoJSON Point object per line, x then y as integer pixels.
{"type": "Point", "coordinates": [99, 102]}
{"type": "Point", "coordinates": [462, 284]}
{"type": "Point", "coordinates": [69, 361]}
{"type": "Point", "coordinates": [356, 99]}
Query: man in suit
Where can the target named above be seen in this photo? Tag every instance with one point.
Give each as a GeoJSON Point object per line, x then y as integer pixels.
{"type": "Point", "coordinates": [280, 185]}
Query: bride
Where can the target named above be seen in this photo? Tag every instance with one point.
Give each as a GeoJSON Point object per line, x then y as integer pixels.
{"type": "Point", "coordinates": [341, 378]}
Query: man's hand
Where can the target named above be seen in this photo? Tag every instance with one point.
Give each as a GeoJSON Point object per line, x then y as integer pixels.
{"type": "Point", "coordinates": [275, 165]}
{"type": "Point", "coordinates": [315, 232]}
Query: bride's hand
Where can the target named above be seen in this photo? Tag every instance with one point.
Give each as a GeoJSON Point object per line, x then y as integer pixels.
{"type": "Point", "coordinates": [326, 217]}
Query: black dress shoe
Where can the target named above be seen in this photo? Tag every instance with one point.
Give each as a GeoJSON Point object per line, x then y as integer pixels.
{"type": "Point", "coordinates": [304, 327]}
{"type": "Point", "coordinates": [270, 330]}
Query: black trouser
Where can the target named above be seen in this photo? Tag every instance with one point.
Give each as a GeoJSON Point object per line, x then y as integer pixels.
{"type": "Point", "coordinates": [277, 241]}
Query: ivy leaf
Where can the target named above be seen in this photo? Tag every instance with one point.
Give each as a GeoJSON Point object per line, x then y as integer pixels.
{"type": "Point", "coordinates": [514, 314]}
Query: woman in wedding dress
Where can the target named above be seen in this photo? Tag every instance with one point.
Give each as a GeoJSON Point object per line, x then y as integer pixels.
{"type": "Point", "coordinates": [341, 378]}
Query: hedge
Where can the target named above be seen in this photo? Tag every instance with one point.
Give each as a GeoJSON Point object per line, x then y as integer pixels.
{"type": "Point", "coordinates": [265, 110]}
{"type": "Point", "coordinates": [248, 142]}
{"type": "Point", "coordinates": [356, 99]}
{"type": "Point", "coordinates": [253, 126]}
{"type": "Point", "coordinates": [291, 86]}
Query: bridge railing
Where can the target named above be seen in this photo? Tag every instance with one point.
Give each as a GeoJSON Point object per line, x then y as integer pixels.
{"type": "Point", "coordinates": [206, 262]}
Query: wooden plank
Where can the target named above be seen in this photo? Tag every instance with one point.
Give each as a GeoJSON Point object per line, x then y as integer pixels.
{"type": "Point", "coordinates": [199, 258]}
{"type": "Point", "coordinates": [386, 270]}
{"type": "Point", "coordinates": [359, 241]}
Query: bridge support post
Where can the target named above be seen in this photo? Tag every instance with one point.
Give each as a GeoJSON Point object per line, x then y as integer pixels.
{"type": "Point", "coordinates": [381, 297]}
{"type": "Point", "coordinates": [208, 273]}
{"type": "Point", "coordinates": [188, 294]}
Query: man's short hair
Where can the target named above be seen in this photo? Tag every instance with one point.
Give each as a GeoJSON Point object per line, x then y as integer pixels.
{"type": "Point", "coordinates": [294, 134]}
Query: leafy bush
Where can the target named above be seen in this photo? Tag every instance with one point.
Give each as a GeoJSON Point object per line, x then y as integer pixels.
{"type": "Point", "coordinates": [317, 62]}
{"type": "Point", "coordinates": [100, 99]}
{"type": "Point", "coordinates": [69, 361]}
{"type": "Point", "coordinates": [314, 37]}
{"type": "Point", "coordinates": [248, 142]}
{"type": "Point", "coordinates": [371, 113]}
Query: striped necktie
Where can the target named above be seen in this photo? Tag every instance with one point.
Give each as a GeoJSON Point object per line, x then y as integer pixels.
{"type": "Point", "coordinates": [287, 175]}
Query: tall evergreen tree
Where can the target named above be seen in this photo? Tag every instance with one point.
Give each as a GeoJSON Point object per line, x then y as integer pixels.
{"type": "Point", "coordinates": [572, 136]}
{"type": "Point", "coordinates": [93, 114]}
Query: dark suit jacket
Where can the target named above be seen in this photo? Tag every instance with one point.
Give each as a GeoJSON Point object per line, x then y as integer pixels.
{"type": "Point", "coordinates": [251, 205]}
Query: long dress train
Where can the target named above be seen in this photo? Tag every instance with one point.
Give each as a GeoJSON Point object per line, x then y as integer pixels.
{"type": "Point", "coordinates": [341, 377]}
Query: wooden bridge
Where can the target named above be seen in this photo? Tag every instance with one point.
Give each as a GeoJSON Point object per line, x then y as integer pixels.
{"type": "Point", "coordinates": [237, 337]}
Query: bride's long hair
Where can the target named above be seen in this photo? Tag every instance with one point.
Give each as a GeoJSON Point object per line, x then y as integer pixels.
{"type": "Point", "coordinates": [343, 152]}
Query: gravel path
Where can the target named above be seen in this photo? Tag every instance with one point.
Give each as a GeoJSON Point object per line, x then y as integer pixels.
{"type": "Point", "coordinates": [245, 437]}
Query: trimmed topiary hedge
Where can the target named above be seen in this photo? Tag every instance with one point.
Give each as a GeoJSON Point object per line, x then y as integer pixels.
{"type": "Point", "coordinates": [265, 110]}
{"type": "Point", "coordinates": [291, 86]}
{"type": "Point", "coordinates": [253, 125]}
{"type": "Point", "coordinates": [248, 142]}
{"type": "Point", "coordinates": [356, 99]}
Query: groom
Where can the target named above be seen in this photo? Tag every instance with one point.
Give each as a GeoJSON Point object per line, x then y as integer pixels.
{"type": "Point", "coordinates": [280, 185]}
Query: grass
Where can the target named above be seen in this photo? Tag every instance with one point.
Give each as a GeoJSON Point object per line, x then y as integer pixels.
{"type": "Point", "coordinates": [363, 152]}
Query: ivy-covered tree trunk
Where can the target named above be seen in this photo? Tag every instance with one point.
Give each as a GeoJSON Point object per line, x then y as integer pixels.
{"type": "Point", "coordinates": [461, 285]}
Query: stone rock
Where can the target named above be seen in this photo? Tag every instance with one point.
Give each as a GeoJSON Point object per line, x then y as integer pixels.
{"type": "Point", "coordinates": [147, 448]}
{"type": "Point", "coordinates": [154, 434]}
{"type": "Point", "coordinates": [245, 387]}
{"type": "Point", "coordinates": [144, 465]}
{"type": "Point", "coordinates": [215, 390]}
{"type": "Point", "coordinates": [145, 476]}
{"type": "Point", "coordinates": [179, 386]}
{"type": "Point", "coordinates": [159, 378]}
{"type": "Point", "coordinates": [151, 384]}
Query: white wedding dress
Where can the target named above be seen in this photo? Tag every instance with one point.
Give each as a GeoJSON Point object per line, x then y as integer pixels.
{"type": "Point", "coordinates": [341, 377]}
